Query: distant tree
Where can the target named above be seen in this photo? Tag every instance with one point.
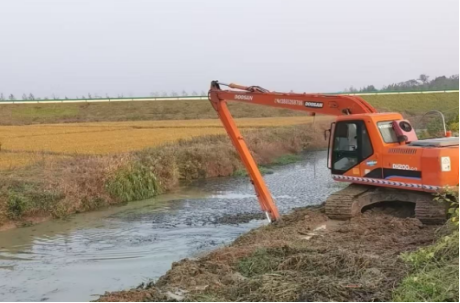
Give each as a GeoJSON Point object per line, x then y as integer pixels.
{"type": "Point", "coordinates": [203, 93]}
{"type": "Point", "coordinates": [368, 89]}
{"type": "Point", "coordinates": [31, 97]}
{"type": "Point", "coordinates": [423, 78]}
{"type": "Point", "coordinates": [45, 98]}
{"type": "Point", "coordinates": [11, 97]}
{"type": "Point", "coordinates": [2, 97]}
{"type": "Point", "coordinates": [184, 93]}
{"type": "Point", "coordinates": [89, 96]}
{"type": "Point", "coordinates": [164, 94]}
{"type": "Point", "coordinates": [411, 83]}
{"type": "Point", "coordinates": [423, 83]}
{"type": "Point", "coordinates": [443, 83]}
{"type": "Point", "coordinates": [194, 93]}
{"type": "Point", "coordinates": [173, 94]}
{"type": "Point", "coordinates": [65, 97]}
{"type": "Point", "coordinates": [352, 89]}
{"type": "Point", "coordinates": [24, 97]}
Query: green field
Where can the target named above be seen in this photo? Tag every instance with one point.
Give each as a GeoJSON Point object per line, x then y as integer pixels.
{"type": "Point", "coordinates": [415, 103]}
{"type": "Point", "coordinates": [17, 114]}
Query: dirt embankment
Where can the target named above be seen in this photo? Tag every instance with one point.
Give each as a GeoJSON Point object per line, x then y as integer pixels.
{"type": "Point", "coordinates": [304, 257]}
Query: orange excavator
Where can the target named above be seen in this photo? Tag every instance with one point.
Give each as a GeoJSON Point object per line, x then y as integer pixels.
{"type": "Point", "coordinates": [378, 153]}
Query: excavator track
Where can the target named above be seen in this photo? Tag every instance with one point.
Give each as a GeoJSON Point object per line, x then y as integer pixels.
{"type": "Point", "coordinates": [350, 201]}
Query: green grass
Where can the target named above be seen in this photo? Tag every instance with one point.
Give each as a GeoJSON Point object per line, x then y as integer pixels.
{"type": "Point", "coordinates": [29, 199]}
{"type": "Point", "coordinates": [135, 183]}
{"type": "Point", "coordinates": [415, 103]}
{"type": "Point", "coordinates": [287, 159]}
{"type": "Point", "coordinates": [434, 277]}
{"type": "Point", "coordinates": [38, 112]}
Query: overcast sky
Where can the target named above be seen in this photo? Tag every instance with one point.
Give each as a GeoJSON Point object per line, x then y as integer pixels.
{"type": "Point", "coordinates": [135, 47]}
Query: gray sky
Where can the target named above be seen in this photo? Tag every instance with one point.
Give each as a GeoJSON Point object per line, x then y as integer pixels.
{"type": "Point", "coordinates": [72, 47]}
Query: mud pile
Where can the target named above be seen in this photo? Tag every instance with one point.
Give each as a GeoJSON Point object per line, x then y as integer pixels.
{"type": "Point", "coordinates": [304, 257]}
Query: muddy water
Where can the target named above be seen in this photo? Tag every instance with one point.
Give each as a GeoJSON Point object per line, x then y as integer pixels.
{"type": "Point", "coordinates": [80, 258]}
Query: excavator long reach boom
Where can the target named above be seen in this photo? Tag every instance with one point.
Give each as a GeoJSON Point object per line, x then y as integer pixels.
{"type": "Point", "coordinates": [332, 105]}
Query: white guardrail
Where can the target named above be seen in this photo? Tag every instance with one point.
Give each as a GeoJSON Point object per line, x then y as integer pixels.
{"type": "Point", "coordinates": [196, 98]}
{"type": "Point", "coordinates": [104, 100]}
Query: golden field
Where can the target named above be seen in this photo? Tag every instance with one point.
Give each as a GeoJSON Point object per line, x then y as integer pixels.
{"type": "Point", "coordinates": [11, 160]}
{"type": "Point", "coordinates": [24, 145]}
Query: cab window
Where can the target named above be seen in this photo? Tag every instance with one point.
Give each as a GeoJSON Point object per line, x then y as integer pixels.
{"type": "Point", "coordinates": [387, 131]}
{"type": "Point", "coordinates": [351, 145]}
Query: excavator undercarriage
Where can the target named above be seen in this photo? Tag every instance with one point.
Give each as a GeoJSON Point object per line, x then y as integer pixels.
{"type": "Point", "coordinates": [350, 201]}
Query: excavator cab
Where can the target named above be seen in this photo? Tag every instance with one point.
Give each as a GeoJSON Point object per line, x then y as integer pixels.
{"type": "Point", "coordinates": [363, 138]}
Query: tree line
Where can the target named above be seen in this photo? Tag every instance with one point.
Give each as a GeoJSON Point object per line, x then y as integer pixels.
{"type": "Point", "coordinates": [422, 83]}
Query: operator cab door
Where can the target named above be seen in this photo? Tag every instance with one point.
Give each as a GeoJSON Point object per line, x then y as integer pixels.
{"type": "Point", "coordinates": [350, 146]}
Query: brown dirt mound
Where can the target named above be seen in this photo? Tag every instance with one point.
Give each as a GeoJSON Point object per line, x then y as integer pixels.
{"type": "Point", "coordinates": [305, 257]}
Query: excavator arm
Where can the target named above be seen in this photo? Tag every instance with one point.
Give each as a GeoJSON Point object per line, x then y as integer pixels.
{"type": "Point", "coordinates": [333, 105]}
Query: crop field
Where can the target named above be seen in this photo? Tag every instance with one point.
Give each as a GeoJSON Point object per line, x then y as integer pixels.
{"type": "Point", "coordinates": [24, 145]}
{"type": "Point", "coordinates": [30, 132]}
